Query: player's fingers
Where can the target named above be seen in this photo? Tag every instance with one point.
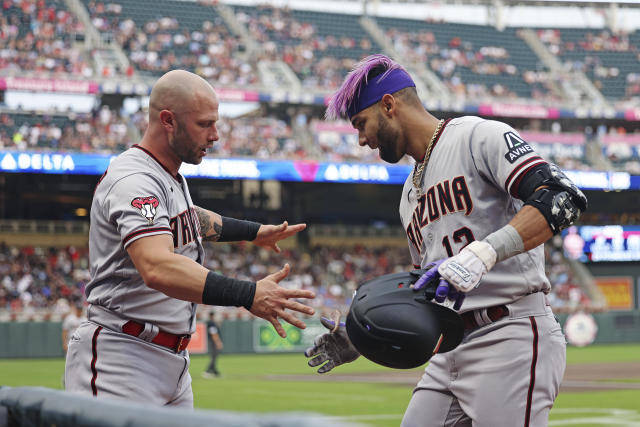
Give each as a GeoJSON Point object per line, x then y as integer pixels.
{"type": "Point", "coordinates": [330, 323]}
{"type": "Point", "coordinates": [299, 307]}
{"type": "Point", "coordinates": [280, 274]}
{"type": "Point", "coordinates": [453, 293]}
{"type": "Point", "coordinates": [327, 367]}
{"type": "Point", "coordinates": [459, 301]}
{"type": "Point", "coordinates": [327, 323]}
{"type": "Point", "coordinates": [312, 351]}
{"type": "Point", "coordinates": [290, 318]}
{"type": "Point", "coordinates": [321, 340]}
{"type": "Point", "coordinates": [299, 293]}
{"type": "Point", "coordinates": [277, 326]}
{"type": "Point", "coordinates": [296, 228]}
{"type": "Point", "coordinates": [426, 278]}
{"type": "Point", "coordinates": [276, 248]}
{"type": "Point", "coordinates": [442, 291]}
{"type": "Point", "coordinates": [318, 360]}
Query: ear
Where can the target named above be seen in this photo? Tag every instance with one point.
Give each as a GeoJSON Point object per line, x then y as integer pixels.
{"type": "Point", "coordinates": [388, 104]}
{"type": "Point", "coordinates": [168, 120]}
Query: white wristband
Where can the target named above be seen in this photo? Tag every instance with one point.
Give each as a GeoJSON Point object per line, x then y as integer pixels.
{"type": "Point", "coordinates": [484, 251]}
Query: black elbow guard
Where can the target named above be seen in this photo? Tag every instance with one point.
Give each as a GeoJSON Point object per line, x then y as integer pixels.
{"type": "Point", "coordinates": [560, 201]}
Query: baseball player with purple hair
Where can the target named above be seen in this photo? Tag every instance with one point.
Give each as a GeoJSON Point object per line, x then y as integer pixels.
{"type": "Point", "coordinates": [476, 209]}
{"type": "Point", "coordinates": [146, 255]}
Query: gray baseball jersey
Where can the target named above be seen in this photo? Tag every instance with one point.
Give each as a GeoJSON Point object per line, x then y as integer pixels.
{"type": "Point", "coordinates": [515, 363]}
{"type": "Point", "coordinates": [467, 193]}
{"type": "Point", "coordinates": [136, 197]}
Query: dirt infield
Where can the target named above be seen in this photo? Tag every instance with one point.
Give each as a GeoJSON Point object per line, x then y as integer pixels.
{"type": "Point", "coordinates": [602, 376]}
{"type": "Point", "coordinates": [582, 377]}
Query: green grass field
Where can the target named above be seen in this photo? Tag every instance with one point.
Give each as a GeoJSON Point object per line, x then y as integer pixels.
{"type": "Point", "coordinates": [250, 382]}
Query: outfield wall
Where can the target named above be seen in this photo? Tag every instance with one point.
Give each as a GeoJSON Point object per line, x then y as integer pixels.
{"type": "Point", "coordinates": [43, 339]}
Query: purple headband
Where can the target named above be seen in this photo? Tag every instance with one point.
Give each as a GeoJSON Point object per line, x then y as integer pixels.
{"type": "Point", "coordinates": [373, 91]}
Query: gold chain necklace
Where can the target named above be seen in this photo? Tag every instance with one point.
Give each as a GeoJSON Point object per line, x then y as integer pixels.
{"type": "Point", "coordinates": [418, 168]}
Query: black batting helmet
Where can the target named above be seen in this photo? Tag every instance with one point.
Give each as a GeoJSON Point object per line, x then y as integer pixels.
{"type": "Point", "coordinates": [392, 325]}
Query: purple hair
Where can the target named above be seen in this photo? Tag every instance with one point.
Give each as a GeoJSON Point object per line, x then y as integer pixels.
{"type": "Point", "coordinates": [355, 80]}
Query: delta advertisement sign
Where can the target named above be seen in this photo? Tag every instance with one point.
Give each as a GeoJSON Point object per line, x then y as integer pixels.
{"type": "Point", "coordinates": [300, 171]}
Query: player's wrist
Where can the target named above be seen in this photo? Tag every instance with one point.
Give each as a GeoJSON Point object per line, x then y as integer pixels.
{"type": "Point", "coordinates": [484, 252]}
{"type": "Point", "coordinates": [506, 242]}
{"type": "Point", "coordinates": [234, 230]}
{"type": "Point", "coordinates": [226, 291]}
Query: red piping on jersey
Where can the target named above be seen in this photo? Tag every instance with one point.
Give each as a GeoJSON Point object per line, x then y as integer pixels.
{"type": "Point", "coordinates": [515, 187]}
{"type": "Point", "coordinates": [145, 231]}
{"type": "Point", "coordinates": [532, 374]}
{"type": "Point", "coordinates": [435, 141]}
{"type": "Point", "coordinates": [156, 159]}
{"type": "Point", "coordinates": [100, 180]}
{"type": "Point", "coordinates": [94, 350]}
{"type": "Point", "coordinates": [518, 168]}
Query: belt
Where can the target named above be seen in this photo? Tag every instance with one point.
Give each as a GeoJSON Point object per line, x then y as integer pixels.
{"type": "Point", "coordinates": [171, 341]}
{"type": "Point", "coordinates": [481, 317]}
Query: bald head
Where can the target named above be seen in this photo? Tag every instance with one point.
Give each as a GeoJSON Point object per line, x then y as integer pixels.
{"type": "Point", "coordinates": [183, 111]}
{"type": "Point", "coordinates": [180, 92]}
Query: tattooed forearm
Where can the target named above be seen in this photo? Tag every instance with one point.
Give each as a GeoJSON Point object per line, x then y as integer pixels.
{"type": "Point", "coordinates": [210, 229]}
{"type": "Point", "coordinates": [217, 231]}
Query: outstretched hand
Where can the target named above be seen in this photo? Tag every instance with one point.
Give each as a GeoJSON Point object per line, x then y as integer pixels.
{"type": "Point", "coordinates": [269, 235]}
{"type": "Point", "coordinates": [271, 300]}
{"type": "Point", "coordinates": [333, 347]}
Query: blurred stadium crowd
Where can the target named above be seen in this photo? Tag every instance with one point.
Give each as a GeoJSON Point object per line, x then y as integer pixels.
{"type": "Point", "coordinates": [41, 283]}
{"type": "Point", "coordinates": [43, 38]}
{"type": "Point", "coordinates": [230, 45]}
{"type": "Point", "coordinates": [478, 62]}
{"type": "Point", "coordinates": [110, 131]}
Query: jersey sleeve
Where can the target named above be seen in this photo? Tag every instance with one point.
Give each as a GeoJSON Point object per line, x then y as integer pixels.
{"type": "Point", "coordinates": [501, 155]}
{"type": "Point", "coordinates": [138, 206]}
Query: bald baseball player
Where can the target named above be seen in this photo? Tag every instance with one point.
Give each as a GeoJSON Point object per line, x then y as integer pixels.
{"type": "Point", "coordinates": [476, 208]}
{"type": "Point", "coordinates": [146, 259]}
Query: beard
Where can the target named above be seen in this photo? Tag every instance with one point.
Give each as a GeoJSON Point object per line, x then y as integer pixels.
{"type": "Point", "coordinates": [182, 145]}
{"type": "Point", "coordinates": [387, 141]}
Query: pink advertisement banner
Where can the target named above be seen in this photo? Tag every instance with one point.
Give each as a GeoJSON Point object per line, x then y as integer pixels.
{"type": "Point", "coordinates": [237, 95]}
{"type": "Point", "coordinates": [48, 85]}
{"type": "Point", "coordinates": [339, 127]}
{"type": "Point", "coordinates": [633, 114]}
{"type": "Point", "coordinates": [518, 110]}
{"type": "Point", "coordinates": [553, 138]}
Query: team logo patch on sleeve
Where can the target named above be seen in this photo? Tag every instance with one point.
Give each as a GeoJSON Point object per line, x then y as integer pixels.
{"type": "Point", "coordinates": [517, 146]}
{"type": "Point", "coordinates": [147, 207]}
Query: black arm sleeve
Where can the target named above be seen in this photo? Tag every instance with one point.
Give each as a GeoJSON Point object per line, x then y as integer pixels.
{"type": "Point", "coordinates": [532, 179]}
{"type": "Point", "coordinates": [223, 290]}
{"type": "Point", "coordinates": [234, 230]}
